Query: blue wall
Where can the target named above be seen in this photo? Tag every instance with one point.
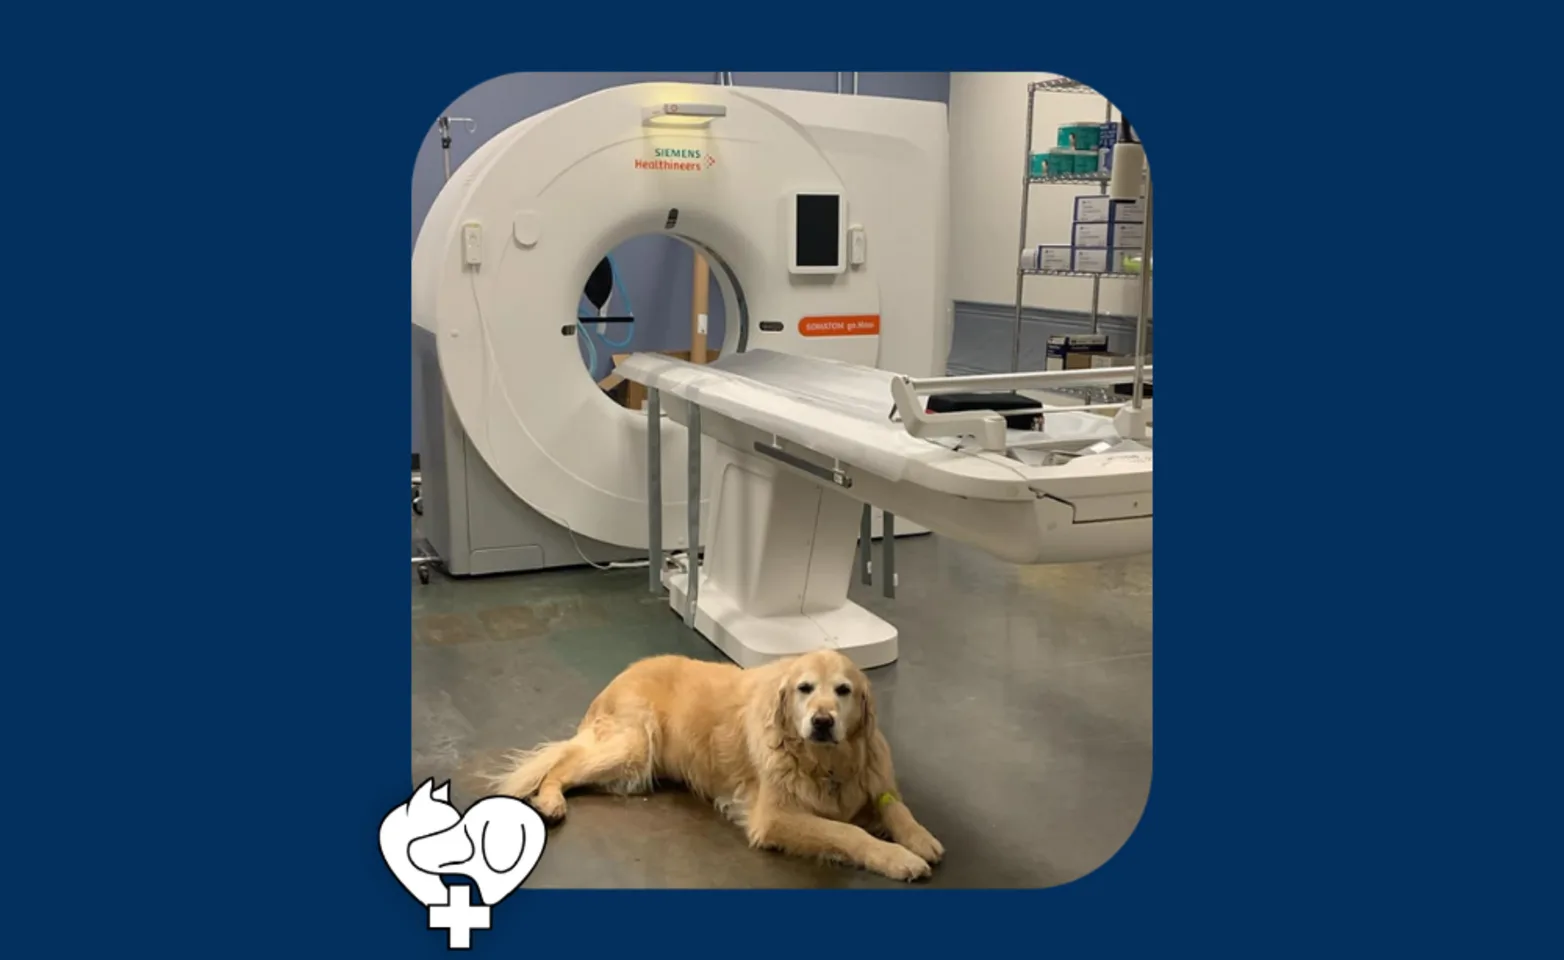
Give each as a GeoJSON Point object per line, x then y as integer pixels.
{"type": "Point", "coordinates": [654, 272]}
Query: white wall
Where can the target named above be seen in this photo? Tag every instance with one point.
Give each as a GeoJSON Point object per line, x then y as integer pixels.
{"type": "Point", "coordinates": [987, 158]}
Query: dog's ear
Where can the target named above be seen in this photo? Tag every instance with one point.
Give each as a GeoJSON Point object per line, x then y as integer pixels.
{"type": "Point", "coordinates": [866, 716]}
{"type": "Point", "coordinates": [779, 720]}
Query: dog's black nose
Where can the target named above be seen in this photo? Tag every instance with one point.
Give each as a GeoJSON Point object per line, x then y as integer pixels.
{"type": "Point", "coordinates": [822, 722]}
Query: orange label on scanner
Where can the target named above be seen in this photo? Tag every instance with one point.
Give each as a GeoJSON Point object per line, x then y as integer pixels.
{"type": "Point", "coordinates": [863, 325]}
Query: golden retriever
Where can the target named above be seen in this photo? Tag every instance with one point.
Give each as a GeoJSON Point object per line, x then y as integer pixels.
{"type": "Point", "coordinates": [788, 750]}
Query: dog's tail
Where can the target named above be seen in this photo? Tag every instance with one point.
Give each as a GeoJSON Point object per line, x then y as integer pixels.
{"type": "Point", "coordinates": [524, 770]}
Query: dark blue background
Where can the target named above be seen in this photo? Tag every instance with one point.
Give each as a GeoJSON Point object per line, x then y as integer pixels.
{"type": "Point", "coordinates": [206, 386]}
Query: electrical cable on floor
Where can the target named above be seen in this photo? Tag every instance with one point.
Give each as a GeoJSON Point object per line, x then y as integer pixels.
{"type": "Point", "coordinates": [668, 558]}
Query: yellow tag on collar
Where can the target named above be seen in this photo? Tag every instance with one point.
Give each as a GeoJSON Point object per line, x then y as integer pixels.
{"type": "Point", "coordinates": [885, 799]}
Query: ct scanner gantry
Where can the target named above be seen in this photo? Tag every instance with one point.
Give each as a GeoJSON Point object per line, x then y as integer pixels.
{"type": "Point", "coordinates": [527, 464]}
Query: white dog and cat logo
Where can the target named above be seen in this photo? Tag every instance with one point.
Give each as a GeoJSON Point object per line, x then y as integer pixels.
{"type": "Point", "coordinates": [495, 845]}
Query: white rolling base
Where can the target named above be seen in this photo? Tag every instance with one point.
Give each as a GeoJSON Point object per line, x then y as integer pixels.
{"type": "Point", "coordinates": [779, 551]}
{"type": "Point", "coordinates": [751, 641]}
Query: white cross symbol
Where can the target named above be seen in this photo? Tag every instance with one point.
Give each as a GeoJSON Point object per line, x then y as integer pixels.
{"type": "Point", "coordinates": [460, 917]}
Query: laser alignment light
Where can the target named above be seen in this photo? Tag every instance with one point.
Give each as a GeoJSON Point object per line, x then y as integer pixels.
{"type": "Point", "coordinates": [682, 114]}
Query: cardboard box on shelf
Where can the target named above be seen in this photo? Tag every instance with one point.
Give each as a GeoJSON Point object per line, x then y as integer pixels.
{"type": "Point", "coordinates": [1073, 351]}
{"type": "Point", "coordinates": [1108, 234]}
{"type": "Point", "coordinates": [1048, 256]}
{"type": "Point", "coordinates": [1096, 209]}
{"type": "Point", "coordinates": [1089, 260]}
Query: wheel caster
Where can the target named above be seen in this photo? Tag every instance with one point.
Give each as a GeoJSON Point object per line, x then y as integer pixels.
{"type": "Point", "coordinates": [418, 505]}
{"type": "Point", "coordinates": [423, 573]}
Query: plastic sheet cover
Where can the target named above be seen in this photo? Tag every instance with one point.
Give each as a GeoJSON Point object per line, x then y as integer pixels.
{"type": "Point", "coordinates": [837, 409]}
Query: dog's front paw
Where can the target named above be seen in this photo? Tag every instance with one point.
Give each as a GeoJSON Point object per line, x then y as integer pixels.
{"type": "Point", "coordinates": [550, 804]}
{"type": "Point", "coordinates": [897, 862]}
{"type": "Point", "coordinates": [921, 842]}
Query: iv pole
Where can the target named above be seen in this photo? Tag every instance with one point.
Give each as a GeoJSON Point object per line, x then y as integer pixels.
{"type": "Point", "coordinates": [445, 138]}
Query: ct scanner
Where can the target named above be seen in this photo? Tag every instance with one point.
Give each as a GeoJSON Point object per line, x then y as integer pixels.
{"type": "Point", "coordinates": [826, 220]}
{"type": "Point", "coordinates": [526, 463]}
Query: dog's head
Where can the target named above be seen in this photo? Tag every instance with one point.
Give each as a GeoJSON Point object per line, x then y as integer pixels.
{"type": "Point", "coordinates": [824, 698]}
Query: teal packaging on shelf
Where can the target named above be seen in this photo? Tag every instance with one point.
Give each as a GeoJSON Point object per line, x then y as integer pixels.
{"type": "Point", "coordinates": [1054, 163]}
{"type": "Point", "coordinates": [1080, 136]}
{"type": "Point", "coordinates": [1061, 163]}
{"type": "Point", "coordinates": [1086, 162]}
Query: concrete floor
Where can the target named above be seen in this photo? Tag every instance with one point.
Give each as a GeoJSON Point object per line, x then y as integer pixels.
{"type": "Point", "coordinates": [1019, 714]}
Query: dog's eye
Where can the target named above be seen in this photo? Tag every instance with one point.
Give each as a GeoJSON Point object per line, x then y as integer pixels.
{"type": "Point", "coordinates": [843, 690]}
{"type": "Point", "coordinates": [806, 688]}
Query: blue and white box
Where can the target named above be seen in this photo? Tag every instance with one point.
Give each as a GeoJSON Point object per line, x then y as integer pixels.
{"type": "Point", "coordinates": [1105, 142]}
{"type": "Point", "coordinates": [1098, 209]}
{"type": "Point", "coordinates": [1046, 256]}
{"type": "Point", "coordinates": [1053, 256]}
{"type": "Point", "coordinates": [1090, 259]}
{"type": "Point", "coordinates": [1108, 234]}
{"type": "Point", "coordinates": [1073, 351]}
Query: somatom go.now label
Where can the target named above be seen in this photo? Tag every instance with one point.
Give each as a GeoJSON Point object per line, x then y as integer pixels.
{"type": "Point", "coordinates": [855, 326]}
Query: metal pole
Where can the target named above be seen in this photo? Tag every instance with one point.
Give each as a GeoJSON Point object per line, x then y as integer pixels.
{"type": "Point", "coordinates": [1026, 196]}
{"type": "Point", "coordinates": [1039, 379]}
{"type": "Point", "coordinates": [1142, 321]}
{"type": "Point", "coordinates": [865, 543]}
{"type": "Point", "coordinates": [445, 139]}
{"type": "Point", "coordinates": [888, 554]}
{"type": "Point", "coordinates": [445, 144]}
{"type": "Point", "coordinates": [654, 489]}
{"type": "Point", "coordinates": [1096, 298]}
{"type": "Point", "coordinates": [855, 83]}
{"type": "Point", "coordinates": [1102, 189]}
{"type": "Point", "coordinates": [838, 81]}
{"type": "Point", "coordinates": [692, 554]}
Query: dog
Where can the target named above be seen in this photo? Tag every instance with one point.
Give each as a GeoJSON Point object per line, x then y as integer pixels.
{"type": "Point", "coordinates": [789, 751]}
